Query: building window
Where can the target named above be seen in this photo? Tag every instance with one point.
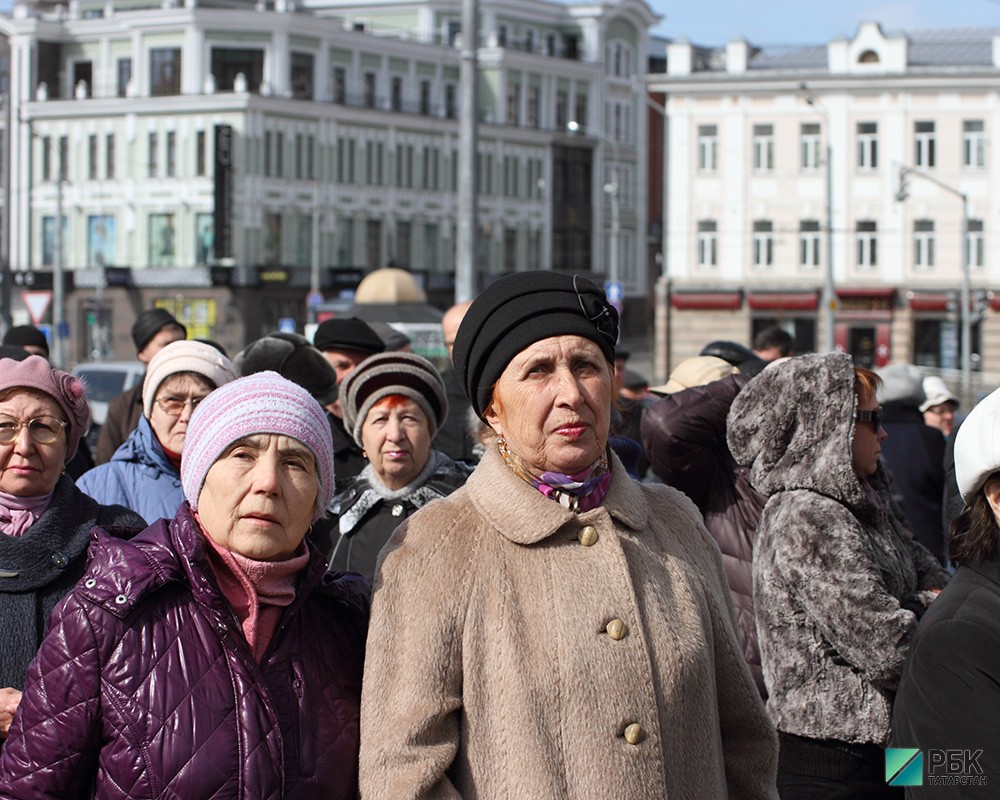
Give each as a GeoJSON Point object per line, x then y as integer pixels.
{"type": "Point", "coordinates": [404, 166]}
{"type": "Point", "coordinates": [562, 110]}
{"type": "Point", "coordinates": [450, 104]}
{"type": "Point", "coordinates": [228, 62]}
{"type": "Point", "coordinates": [708, 148]}
{"type": "Point", "coordinates": [763, 148]}
{"type": "Point", "coordinates": [124, 75]}
{"type": "Point", "coordinates": [708, 243]}
{"type": "Point", "coordinates": [502, 36]}
{"type": "Point", "coordinates": [975, 244]}
{"type": "Point", "coordinates": [92, 156]}
{"type": "Point", "coordinates": [162, 240]}
{"type": "Point", "coordinates": [510, 249]}
{"type": "Point", "coordinates": [763, 243]}
{"type": "Point", "coordinates": [279, 154]}
{"type": "Point", "coordinates": [513, 104]}
{"type": "Point", "coordinates": [404, 243]}
{"type": "Point", "coordinates": [923, 144]}
{"type": "Point", "coordinates": [974, 143]}
{"type": "Point", "coordinates": [396, 93]}
{"type": "Point", "coordinates": [83, 73]}
{"type": "Point", "coordinates": [109, 156]}
{"type": "Point", "coordinates": [867, 244]}
{"type": "Point", "coordinates": [867, 145]}
{"type": "Point", "coordinates": [153, 155]}
{"type": "Point", "coordinates": [580, 109]}
{"type": "Point", "coordinates": [810, 146]}
{"type": "Point", "coordinates": [454, 28]}
{"type": "Point", "coordinates": [302, 71]}
{"type": "Point", "coordinates": [923, 244]}
{"type": "Point", "coordinates": [171, 162]}
{"type": "Point", "coordinates": [268, 159]}
{"type": "Point", "coordinates": [425, 97]}
{"type": "Point", "coordinates": [46, 158]}
{"type": "Point", "coordinates": [199, 153]}
{"type": "Point", "coordinates": [809, 244]}
{"type": "Point", "coordinates": [370, 84]}
{"type": "Point", "coordinates": [339, 85]}
{"type": "Point", "coordinates": [164, 71]}
{"type": "Point", "coordinates": [345, 160]}
{"type": "Point", "coordinates": [373, 163]}
{"type": "Point", "coordinates": [373, 243]}
{"type": "Point", "coordinates": [299, 156]}
{"type": "Point", "coordinates": [534, 106]}
{"type": "Point", "coordinates": [63, 158]}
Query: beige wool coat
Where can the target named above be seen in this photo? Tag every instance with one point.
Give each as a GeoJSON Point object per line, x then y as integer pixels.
{"type": "Point", "coordinates": [518, 650]}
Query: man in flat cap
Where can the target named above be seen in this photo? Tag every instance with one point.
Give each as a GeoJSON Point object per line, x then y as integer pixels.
{"type": "Point", "coordinates": [152, 330]}
{"type": "Point", "coordinates": [345, 342]}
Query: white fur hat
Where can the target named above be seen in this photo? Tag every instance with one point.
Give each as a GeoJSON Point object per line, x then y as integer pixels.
{"type": "Point", "coordinates": [977, 446]}
{"type": "Point", "coordinates": [937, 392]}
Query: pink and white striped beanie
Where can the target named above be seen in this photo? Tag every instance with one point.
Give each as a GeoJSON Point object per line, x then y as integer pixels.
{"type": "Point", "coordinates": [260, 403]}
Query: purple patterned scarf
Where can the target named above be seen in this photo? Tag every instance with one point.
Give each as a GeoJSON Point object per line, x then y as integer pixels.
{"type": "Point", "coordinates": [578, 492]}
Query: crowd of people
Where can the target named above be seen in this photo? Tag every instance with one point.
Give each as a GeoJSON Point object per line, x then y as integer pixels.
{"type": "Point", "coordinates": [330, 568]}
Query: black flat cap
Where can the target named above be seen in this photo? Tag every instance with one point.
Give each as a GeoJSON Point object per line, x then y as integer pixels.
{"type": "Point", "coordinates": [26, 336]}
{"type": "Point", "coordinates": [347, 333]}
{"type": "Point", "coordinates": [292, 357]}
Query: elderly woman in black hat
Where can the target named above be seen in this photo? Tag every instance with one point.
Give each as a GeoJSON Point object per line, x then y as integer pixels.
{"type": "Point", "coordinates": [393, 405]}
{"type": "Point", "coordinates": [554, 628]}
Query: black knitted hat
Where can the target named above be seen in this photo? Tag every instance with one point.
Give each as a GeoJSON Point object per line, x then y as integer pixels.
{"type": "Point", "coordinates": [292, 357]}
{"type": "Point", "coordinates": [523, 308]}
{"type": "Point", "coordinates": [26, 336]}
{"type": "Point", "coordinates": [149, 323]}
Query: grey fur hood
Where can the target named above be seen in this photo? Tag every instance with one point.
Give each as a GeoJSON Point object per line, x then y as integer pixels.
{"type": "Point", "coordinates": [793, 425]}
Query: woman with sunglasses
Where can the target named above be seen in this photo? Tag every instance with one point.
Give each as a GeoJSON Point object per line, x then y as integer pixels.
{"type": "Point", "coordinates": [46, 522]}
{"type": "Point", "coordinates": [839, 583]}
{"type": "Point", "coordinates": [144, 474]}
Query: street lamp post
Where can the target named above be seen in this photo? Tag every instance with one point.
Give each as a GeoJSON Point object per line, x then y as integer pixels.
{"type": "Point", "coordinates": [829, 293]}
{"type": "Point", "coordinates": [965, 292]}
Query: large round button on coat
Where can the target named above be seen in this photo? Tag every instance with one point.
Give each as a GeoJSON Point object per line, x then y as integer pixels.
{"type": "Point", "coordinates": [588, 535]}
{"type": "Point", "coordinates": [617, 629]}
{"type": "Point", "coordinates": [634, 733]}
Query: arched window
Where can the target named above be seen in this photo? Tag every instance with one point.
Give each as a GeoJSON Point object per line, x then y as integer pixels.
{"type": "Point", "coordinates": [868, 57]}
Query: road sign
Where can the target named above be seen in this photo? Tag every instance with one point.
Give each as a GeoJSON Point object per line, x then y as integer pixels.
{"type": "Point", "coordinates": [37, 303]}
{"type": "Point", "coordinates": [313, 299]}
{"type": "Point", "coordinates": [613, 291]}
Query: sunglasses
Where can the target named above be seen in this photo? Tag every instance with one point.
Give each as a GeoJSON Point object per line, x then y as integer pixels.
{"type": "Point", "coordinates": [44, 430]}
{"type": "Point", "coordinates": [874, 417]}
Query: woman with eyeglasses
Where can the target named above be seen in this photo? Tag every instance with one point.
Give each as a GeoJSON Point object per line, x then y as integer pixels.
{"type": "Point", "coordinates": [144, 474]}
{"type": "Point", "coordinates": [46, 522]}
{"type": "Point", "coordinates": [839, 583]}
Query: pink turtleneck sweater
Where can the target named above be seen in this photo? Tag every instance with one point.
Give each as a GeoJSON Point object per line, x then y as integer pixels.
{"type": "Point", "coordinates": [257, 591]}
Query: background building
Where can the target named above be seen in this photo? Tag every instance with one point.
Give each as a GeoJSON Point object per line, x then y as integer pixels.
{"type": "Point", "coordinates": [784, 172]}
{"type": "Point", "coordinates": [216, 158]}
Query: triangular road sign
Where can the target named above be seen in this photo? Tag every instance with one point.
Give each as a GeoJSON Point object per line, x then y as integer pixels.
{"type": "Point", "coordinates": [37, 303]}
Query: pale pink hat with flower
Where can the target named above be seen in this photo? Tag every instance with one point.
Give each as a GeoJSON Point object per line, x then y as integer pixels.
{"type": "Point", "coordinates": [67, 390]}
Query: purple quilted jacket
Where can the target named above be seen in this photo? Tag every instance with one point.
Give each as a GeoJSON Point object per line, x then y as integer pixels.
{"type": "Point", "coordinates": [146, 688]}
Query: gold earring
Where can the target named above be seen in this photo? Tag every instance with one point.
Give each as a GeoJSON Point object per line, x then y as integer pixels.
{"type": "Point", "coordinates": [502, 446]}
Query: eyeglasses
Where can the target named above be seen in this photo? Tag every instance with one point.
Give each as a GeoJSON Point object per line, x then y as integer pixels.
{"type": "Point", "coordinates": [874, 417]}
{"type": "Point", "coordinates": [43, 430]}
{"type": "Point", "coordinates": [174, 406]}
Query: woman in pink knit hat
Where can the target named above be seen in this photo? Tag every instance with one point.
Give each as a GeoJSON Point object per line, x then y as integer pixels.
{"type": "Point", "coordinates": [212, 656]}
{"type": "Point", "coordinates": [46, 523]}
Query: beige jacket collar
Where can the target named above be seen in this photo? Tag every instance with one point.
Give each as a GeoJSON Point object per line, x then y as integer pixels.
{"type": "Point", "coordinates": [522, 514]}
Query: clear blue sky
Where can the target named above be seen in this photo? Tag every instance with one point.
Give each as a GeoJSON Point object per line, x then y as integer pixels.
{"type": "Point", "coordinates": [782, 22]}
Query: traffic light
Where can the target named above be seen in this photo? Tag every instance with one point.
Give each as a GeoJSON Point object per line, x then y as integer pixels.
{"type": "Point", "coordinates": [904, 186]}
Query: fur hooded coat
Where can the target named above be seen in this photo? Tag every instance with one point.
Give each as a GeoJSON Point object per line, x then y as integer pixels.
{"type": "Point", "coordinates": [520, 650]}
{"type": "Point", "coordinates": [839, 583]}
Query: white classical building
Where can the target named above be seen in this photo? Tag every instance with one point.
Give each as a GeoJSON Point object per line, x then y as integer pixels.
{"type": "Point", "coordinates": [784, 172]}
{"type": "Point", "coordinates": [212, 156]}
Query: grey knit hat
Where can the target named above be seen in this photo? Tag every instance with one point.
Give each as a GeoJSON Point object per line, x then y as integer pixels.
{"type": "Point", "coordinates": [385, 374]}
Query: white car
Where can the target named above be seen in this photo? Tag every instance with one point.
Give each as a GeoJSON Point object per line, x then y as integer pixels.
{"type": "Point", "coordinates": [104, 380]}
